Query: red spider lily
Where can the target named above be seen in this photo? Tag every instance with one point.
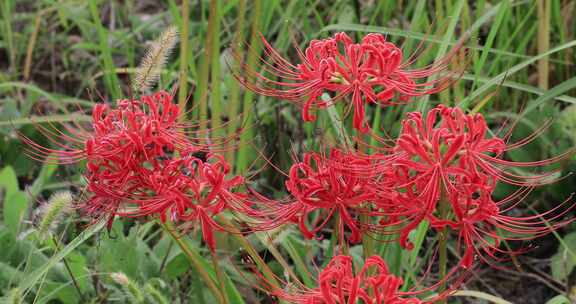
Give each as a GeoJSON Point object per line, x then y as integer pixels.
{"type": "Point", "coordinates": [371, 71]}
{"type": "Point", "coordinates": [337, 283]}
{"type": "Point", "coordinates": [135, 126]}
{"type": "Point", "coordinates": [338, 186]}
{"type": "Point", "coordinates": [478, 220]}
{"type": "Point", "coordinates": [141, 161]}
{"type": "Point", "coordinates": [446, 156]}
{"type": "Point", "coordinates": [148, 126]}
{"type": "Point", "coordinates": [185, 190]}
{"type": "Point", "coordinates": [324, 183]}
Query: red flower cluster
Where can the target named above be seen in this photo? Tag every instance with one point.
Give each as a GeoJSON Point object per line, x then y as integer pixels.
{"type": "Point", "coordinates": [446, 157]}
{"type": "Point", "coordinates": [141, 161]}
{"type": "Point", "coordinates": [337, 283]}
{"type": "Point", "coordinates": [330, 184]}
{"type": "Point", "coordinates": [371, 71]}
{"type": "Point", "coordinates": [443, 159]}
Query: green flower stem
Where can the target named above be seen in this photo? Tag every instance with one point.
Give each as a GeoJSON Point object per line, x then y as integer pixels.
{"type": "Point", "coordinates": [365, 220]}
{"type": "Point", "coordinates": [219, 276]}
{"type": "Point", "coordinates": [444, 208]}
{"type": "Point", "coordinates": [340, 234]}
{"type": "Point", "coordinates": [237, 234]}
{"type": "Point", "coordinates": [367, 241]}
{"type": "Point", "coordinates": [194, 258]}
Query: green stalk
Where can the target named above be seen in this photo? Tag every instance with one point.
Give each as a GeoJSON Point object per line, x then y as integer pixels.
{"type": "Point", "coordinates": [219, 275]}
{"type": "Point", "coordinates": [194, 258]}
{"type": "Point", "coordinates": [248, 133]}
{"type": "Point", "coordinates": [234, 86]}
{"type": "Point", "coordinates": [444, 209]}
{"type": "Point", "coordinates": [216, 95]}
{"type": "Point", "coordinates": [367, 241]}
{"type": "Point", "coordinates": [268, 274]}
{"type": "Point", "coordinates": [69, 270]}
{"type": "Point", "coordinates": [6, 8]}
{"type": "Point", "coordinates": [543, 42]}
{"type": "Point", "coordinates": [183, 81]}
{"type": "Point", "coordinates": [204, 74]}
{"type": "Point", "coordinates": [388, 249]}
{"type": "Point", "coordinates": [339, 236]}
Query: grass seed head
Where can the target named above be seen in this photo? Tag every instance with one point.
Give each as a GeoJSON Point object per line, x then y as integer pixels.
{"type": "Point", "coordinates": [59, 204]}
{"type": "Point", "coordinates": [148, 73]}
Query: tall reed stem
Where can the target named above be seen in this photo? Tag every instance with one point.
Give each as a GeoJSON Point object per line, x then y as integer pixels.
{"type": "Point", "coordinates": [234, 86]}
{"type": "Point", "coordinates": [204, 74]}
{"type": "Point", "coordinates": [215, 93]}
{"type": "Point", "coordinates": [251, 61]}
{"type": "Point", "coordinates": [183, 81]}
{"type": "Point", "coordinates": [543, 42]}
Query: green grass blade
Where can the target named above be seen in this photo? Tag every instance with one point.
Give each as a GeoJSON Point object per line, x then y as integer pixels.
{"type": "Point", "coordinates": [520, 87]}
{"type": "Point", "coordinates": [31, 279]}
{"type": "Point", "coordinates": [496, 80]}
{"type": "Point", "coordinates": [550, 94]}
{"type": "Point", "coordinates": [444, 44]}
{"type": "Point", "coordinates": [502, 10]}
{"type": "Point", "coordinates": [296, 255]}
{"type": "Point", "coordinates": [46, 119]}
{"type": "Point", "coordinates": [110, 78]}
{"type": "Point", "coordinates": [57, 100]}
{"type": "Point", "coordinates": [480, 295]}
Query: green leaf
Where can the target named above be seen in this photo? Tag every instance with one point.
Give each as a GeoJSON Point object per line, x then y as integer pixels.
{"type": "Point", "coordinates": [8, 275]}
{"type": "Point", "coordinates": [559, 299]}
{"type": "Point", "coordinates": [297, 253]}
{"type": "Point", "coordinates": [518, 86]}
{"type": "Point", "coordinates": [8, 181]}
{"type": "Point", "coordinates": [14, 210]}
{"type": "Point", "coordinates": [61, 292]}
{"type": "Point", "coordinates": [14, 202]}
{"type": "Point", "coordinates": [77, 263]}
{"type": "Point", "coordinates": [563, 262]}
{"type": "Point", "coordinates": [177, 266]}
{"type": "Point", "coordinates": [122, 253]}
